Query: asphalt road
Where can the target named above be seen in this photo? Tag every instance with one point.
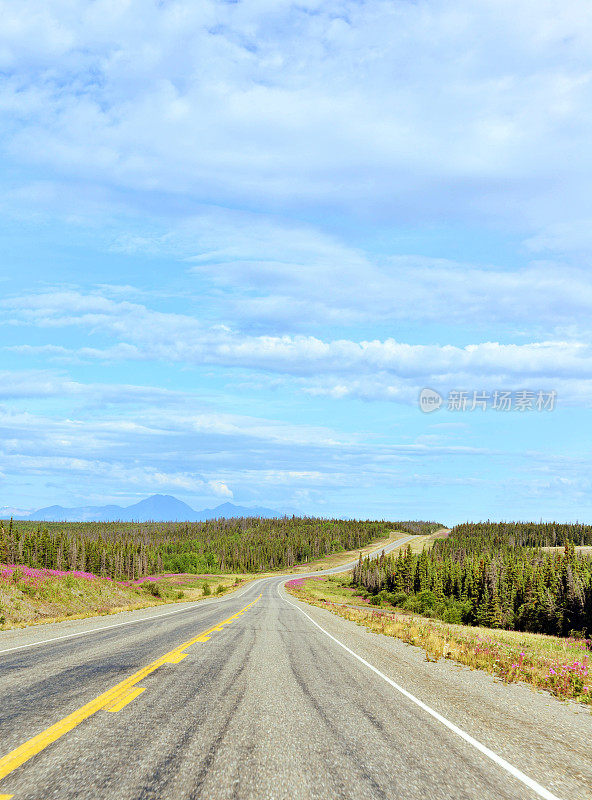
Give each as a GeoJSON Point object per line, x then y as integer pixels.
{"type": "Point", "coordinates": [283, 700]}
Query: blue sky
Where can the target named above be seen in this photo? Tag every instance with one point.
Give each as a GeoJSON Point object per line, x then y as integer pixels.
{"type": "Point", "coordinates": [239, 238]}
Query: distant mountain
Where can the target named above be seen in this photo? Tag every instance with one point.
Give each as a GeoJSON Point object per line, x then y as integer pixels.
{"type": "Point", "coordinates": [6, 512]}
{"type": "Point", "coordinates": [81, 514]}
{"type": "Point", "coordinates": [227, 510]}
{"type": "Point", "coordinates": [158, 508]}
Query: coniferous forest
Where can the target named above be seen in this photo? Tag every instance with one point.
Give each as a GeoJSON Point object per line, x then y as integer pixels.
{"type": "Point", "coordinates": [127, 551]}
{"type": "Point", "coordinates": [498, 575]}
{"type": "Point", "coordinates": [494, 574]}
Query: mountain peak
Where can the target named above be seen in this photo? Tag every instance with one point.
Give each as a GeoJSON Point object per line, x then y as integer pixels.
{"type": "Point", "coordinates": [156, 508]}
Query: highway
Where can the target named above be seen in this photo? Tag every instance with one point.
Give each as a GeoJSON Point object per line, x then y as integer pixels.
{"type": "Point", "coordinates": [256, 695]}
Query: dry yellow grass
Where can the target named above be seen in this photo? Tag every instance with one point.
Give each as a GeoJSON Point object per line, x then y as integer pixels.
{"type": "Point", "coordinates": [54, 599]}
{"type": "Point", "coordinates": [560, 666]}
{"type": "Point", "coordinates": [420, 543]}
{"type": "Point", "coordinates": [585, 550]}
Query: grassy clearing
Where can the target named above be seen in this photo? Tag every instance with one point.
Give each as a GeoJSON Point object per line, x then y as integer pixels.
{"type": "Point", "coordinates": [425, 542]}
{"type": "Point", "coordinates": [584, 549]}
{"type": "Point", "coordinates": [195, 587]}
{"type": "Point", "coordinates": [33, 596]}
{"type": "Point", "coordinates": [560, 666]}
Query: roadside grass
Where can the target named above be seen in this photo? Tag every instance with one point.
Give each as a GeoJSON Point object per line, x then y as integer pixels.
{"type": "Point", "coordinates": [32, 596]}
{"type": "Point", "coordinates": [559, 666]}
{"type": "Point", "coordinates": [333, 589]}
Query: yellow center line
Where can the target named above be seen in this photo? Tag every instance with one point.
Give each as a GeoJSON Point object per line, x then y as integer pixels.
{"type": "Point", "coordinates": [127, 698]}
{"type": "Point", "coordinates": [24, 752]}
{"type": "Point", "coordinates": [177, 658]}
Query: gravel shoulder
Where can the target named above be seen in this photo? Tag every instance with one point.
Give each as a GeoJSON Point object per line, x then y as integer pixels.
{"type": "Point", "coordinates": [547, 739]}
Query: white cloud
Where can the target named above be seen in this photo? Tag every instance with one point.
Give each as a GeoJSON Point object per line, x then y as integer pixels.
{"type": "Point", "coordinates": [220, 488]}
{"type": "Point", "coordinates": [429, 110]}
{"type": "Point", "coordinates": [391, 369]}
{"type": "Point", "coordinates": [79, 459]}
{"type": "Point", "coordinates": [568, 392]}
{"type": "Point", "coordinates": [176, 425]}
{"type": "Point", "coordinates": [111, 471]}
{"type": "Point", "coordinates": [282, 274]}
{"type": "Point", "coordinates": [574, 236]}
{"type": "Point", "coordinates": [20, 384]}
{"type": "Point", "coordinates": [272, 275]}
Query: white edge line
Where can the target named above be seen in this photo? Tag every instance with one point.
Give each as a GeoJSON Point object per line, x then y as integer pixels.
{"type": "Point", "coordinates": [132, 621]}
{"type": "Point", "coordinates": [514, 771]}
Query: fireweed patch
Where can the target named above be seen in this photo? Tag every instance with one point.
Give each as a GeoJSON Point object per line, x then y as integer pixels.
{"type": "Point", "coordinates": [559, 665]}
{"type": "Point", "coordinates": [29, 595]}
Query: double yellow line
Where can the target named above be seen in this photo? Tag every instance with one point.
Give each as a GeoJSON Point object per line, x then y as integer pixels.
{"type": "Point", "coordinates": [113, 699]}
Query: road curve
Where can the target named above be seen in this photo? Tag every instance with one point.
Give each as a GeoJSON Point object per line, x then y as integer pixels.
{"type": "Point", "coordinates": [388, 548]}
{"type": "Point", "coordinates": [283, 700]}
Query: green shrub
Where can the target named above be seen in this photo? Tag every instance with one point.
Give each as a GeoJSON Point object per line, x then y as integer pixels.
{"type": "Point", "coordinates": [29, 589]}
{"type": "Point", "coordinates": [219, 589]}
{"type": "Point", "coordinates": [422, 602]}
{"type": "Point", "coordinates": [577, 634]}
{"type": "Point", "coordinates": [206, 589]}
{"type": "Point", "coordinates": [427, 604]}
{"type": "Point", "coordinates": [453, 614]}
{"type": "Point", "coordinates": [154, 588]}
{"type": "Point", "coordinates": [388, 597]}
{"type": "Point", "coordinates": [17, 575]}
{"type": "Point", "coordinates": [399, 598]}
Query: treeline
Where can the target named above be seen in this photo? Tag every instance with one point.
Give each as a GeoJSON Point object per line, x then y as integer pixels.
{"type": "Point", "coordinates": [417, 527]}
{"type": "Point", "coordinates": [495, 575]}
{"type": "Point", "coordinates": [470, 536]}
{"type": "Point", "coordinates": [126, 551]}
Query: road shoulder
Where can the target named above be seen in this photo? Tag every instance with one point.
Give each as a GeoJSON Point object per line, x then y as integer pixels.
{"type": "Point", "coordinates": [531, 729]}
